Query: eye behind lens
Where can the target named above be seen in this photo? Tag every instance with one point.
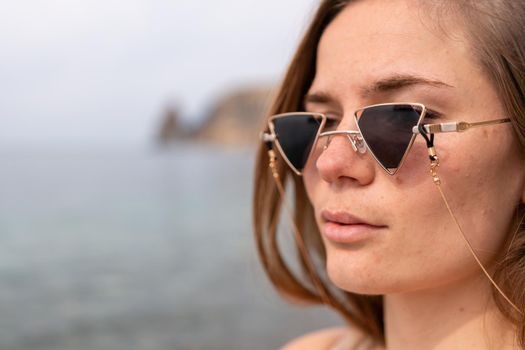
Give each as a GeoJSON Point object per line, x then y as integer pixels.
{"type": "Point", "coordinates": [331, 124]}
{"type": "Point", "coordinates": [430, 114]}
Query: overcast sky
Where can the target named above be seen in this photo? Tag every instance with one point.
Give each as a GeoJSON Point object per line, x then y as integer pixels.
{"type": "Point", "coordinates": [99, 72]}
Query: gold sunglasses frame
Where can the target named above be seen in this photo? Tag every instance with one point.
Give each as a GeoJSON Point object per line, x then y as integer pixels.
{"type": "Point", "coordinates": [357, 135]}
{"type": "Point", "coordinates": [273, 136]}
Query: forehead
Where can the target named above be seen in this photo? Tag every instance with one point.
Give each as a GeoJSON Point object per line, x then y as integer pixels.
{"type": "Point", "coordinates": [370, 40]}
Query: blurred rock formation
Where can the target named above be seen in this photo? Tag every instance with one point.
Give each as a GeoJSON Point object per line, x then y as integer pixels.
{"type": "Point", "coordinates": [235, 119]}
{"type": "Point", "coordinates": [170, 128]}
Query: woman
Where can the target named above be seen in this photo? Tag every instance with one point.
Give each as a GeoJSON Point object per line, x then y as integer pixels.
{"type": "Point", "coordinates": [407, 222]}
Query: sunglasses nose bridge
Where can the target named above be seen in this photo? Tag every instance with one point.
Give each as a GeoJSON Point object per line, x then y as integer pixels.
{"type": "Point", "coordinates": [358, 143]}
{"type": "Point", "coordinates": [355, 138]}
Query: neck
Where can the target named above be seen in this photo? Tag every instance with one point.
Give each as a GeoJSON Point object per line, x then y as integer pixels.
{"type": "Point", "coordinates": [461, 315]}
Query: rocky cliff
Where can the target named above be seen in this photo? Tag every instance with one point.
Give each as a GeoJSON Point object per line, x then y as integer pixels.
{"type": "Point", "coordinates": [237, 118]}
{"type": "Point", "coordinates": [170, 128]}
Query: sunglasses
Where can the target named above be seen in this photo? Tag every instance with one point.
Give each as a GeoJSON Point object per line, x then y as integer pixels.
{"type": "Point", "coordinates": [387, 130]}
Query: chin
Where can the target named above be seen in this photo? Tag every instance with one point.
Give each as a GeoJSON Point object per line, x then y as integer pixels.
{"type": "Point", "coordinates": [361, 274]}
{"type": "Point", "coordinates": [358, 286]}
{"type": "Point", "coordinates": [354, 277]}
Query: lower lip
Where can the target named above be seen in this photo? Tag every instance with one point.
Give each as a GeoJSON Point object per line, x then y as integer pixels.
{"type": "Point", "coordinates": [350, 233]}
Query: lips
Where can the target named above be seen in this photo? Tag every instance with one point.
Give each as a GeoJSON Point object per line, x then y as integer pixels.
{"type": "Point", "coordinates": [343, 218]}
{"type": "Point", "coordinates": [343, 227]}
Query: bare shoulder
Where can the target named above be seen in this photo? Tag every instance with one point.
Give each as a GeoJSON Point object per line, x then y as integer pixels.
{"type": "Point", "coordinates": [321, 339]}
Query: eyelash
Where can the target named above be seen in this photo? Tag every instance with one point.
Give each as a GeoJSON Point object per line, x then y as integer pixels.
{"type": "Point", "coordinates": [430, 114]}
{"type": "Point", "coordinates": [331, 122]}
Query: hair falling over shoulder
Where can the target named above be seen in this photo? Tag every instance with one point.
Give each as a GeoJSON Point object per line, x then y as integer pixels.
{"type": "Point", "coordinates": [496, 34]}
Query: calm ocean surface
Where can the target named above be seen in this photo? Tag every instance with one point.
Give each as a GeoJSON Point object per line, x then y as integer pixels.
{"type": "Point", "coordinates": [136, 250]}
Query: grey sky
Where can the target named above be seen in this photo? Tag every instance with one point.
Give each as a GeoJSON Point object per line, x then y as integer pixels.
{"type": "Point", "coordinates": [99, 72]}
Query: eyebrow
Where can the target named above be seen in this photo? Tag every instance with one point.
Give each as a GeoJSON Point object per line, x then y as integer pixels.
{"type": "Point", "coordinates": [400, 81]}
{"type": "Point", "coordinates": [318, 97]}
{"type": "Point", "coordinates": [388, 84]}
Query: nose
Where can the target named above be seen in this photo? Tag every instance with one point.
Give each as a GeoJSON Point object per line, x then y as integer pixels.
{"type": "Point", "coordinates": [343, 160]}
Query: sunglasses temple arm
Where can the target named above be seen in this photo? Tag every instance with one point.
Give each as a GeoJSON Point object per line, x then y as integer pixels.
{"type": "Point", "coordinates": [455, 126]}
{"type": "Point", "coordinates": [268, 139]}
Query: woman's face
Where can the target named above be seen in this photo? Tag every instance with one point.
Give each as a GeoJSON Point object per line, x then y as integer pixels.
{"type": "Point", "coordinates": [390, 51]}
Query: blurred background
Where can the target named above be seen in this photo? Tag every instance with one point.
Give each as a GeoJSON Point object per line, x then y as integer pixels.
{"type": "Point", "coordinates": [127, 137]}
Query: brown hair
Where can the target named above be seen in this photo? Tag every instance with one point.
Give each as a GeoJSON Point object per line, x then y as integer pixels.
{"type": "Point", "coordinates": [496, 35]}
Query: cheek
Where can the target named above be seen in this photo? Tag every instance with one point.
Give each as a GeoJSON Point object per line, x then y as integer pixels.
{"type": "Point", "coordinates": [484, 184]}
{"type": "Point", "coordinates": [311, 179]}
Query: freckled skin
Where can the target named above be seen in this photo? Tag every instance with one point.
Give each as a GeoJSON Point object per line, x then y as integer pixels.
{"type": "Point", "coordinates": [482, 170]}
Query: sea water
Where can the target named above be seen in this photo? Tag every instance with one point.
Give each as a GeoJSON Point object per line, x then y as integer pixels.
{"type": "Point", "coordinates": [136, 249]}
